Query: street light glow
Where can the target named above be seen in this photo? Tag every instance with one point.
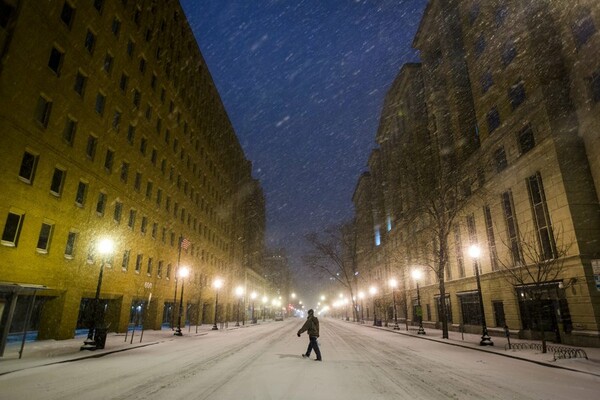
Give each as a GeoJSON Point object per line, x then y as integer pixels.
{"type": "Point", "coordinates": [474, 251]}
{"type": "Point", "coordinates": [106, 246]}
{"type": "Point", "coordinates": [253, 295]}
{"type": "Point", "coordinates": [239, 291]}
{"type": "Point", "coordinates": [416, 274]}
{"type": "Point", "coordinates": [372, 290]}
{"type": "Point", "coordinates": [393, 283]}
{"type": "Point", "coordinates": [183, 272]}
{"type": "Point", "coordinates": [218, 283]}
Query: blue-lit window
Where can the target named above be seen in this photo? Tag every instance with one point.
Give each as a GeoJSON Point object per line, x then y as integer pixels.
{"type": "Point", "coordinates": [509, 52]}
{"type": "Point", "coordinates": [583, 28]}
{"type": "Point", "coordinates": [516, 94]}
{"type": "Point", "coordinates": [479, 46]}
{"type": "Point", "coordinates": [493, 120]}
{"type": "Point", "coordinates": [486, 81]}
{"type": "Point", "coordinates": [377, 236]}
{"type": "Point", "coordinates": [389, 223]}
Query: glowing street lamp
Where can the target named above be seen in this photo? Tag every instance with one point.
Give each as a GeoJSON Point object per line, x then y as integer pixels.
{"type": "Point", "coordinates": [394, 285]}
{"type": "Point", "coordinates": [373, 292]}
{"type": "Point", "coordinates": [239, 292]}
{"type": "Point", "coordinates": [217, 284]}
{"type": "Point", "coordinates": [417, 275]}
{"type": "Point", "coordinates": [105, 247]}
{"type": "Point", "coordinates": [474, 253]}
{"type": "Point", "coordinates": [183, 273]}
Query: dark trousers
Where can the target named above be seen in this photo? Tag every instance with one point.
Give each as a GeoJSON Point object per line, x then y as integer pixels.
{"type": "Point", "coordinates": [313, 345]}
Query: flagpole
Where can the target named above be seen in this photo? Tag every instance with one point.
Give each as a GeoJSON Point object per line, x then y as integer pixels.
{"type": "Point", "coordinates": [176, 277]}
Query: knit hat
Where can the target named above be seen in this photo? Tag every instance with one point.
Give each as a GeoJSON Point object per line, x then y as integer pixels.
{"type": "Point", "coordinates": [311, 311]}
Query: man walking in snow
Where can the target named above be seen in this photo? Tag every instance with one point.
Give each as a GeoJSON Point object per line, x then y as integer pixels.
{"type": "Point", "coordinates": [312, 326]}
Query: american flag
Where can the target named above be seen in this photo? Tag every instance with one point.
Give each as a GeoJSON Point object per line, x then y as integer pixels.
{"type": "Point", "coordinates": [185, 243]}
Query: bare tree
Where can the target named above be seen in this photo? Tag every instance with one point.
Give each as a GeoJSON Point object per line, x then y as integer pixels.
{"type": "Point", "coordinates": [534, 263]}
{"type": "Point", "coordinates": [333, 254]}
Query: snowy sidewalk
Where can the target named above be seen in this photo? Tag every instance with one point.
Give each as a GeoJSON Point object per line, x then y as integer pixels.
{"type": "Point", "coordinates": [591, 365]}
{"type": "Point", "coordinates": [46, 352]}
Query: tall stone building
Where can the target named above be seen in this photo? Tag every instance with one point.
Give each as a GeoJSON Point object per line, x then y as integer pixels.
{"type": "Point", "coordinates": [111, 127]}
{"type": "Point", "coordinates": [514, 113]}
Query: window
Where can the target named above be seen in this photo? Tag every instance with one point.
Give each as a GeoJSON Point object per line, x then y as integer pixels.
{"type": "Point", "coordinates": [511, 227]}
{"type": "Point", "coordinates": [149, 190]}
{"type": "Point", "coordinates": [509, 52]}
{"type": "Point", "coordinates": [541, 218]}
{"type": "Point", "coordinates": [516, 94]}
{"type": "Point", "coordinates": [123, 82]}
{"type": "Point", "coordinates": [526, 140]}
{"type": "Point", "coordinates": [67, 14]}
{"type": "Point", "coordinates": [28, 167]}
{"type": "Point", "coordinates": [137, 184]}
{"type": "Point", "coordinates": [137, 14]}
{"type": "Point", "coordinates": [12, 229]}
{"type": "Point", "coordinates": [131, 221]}
{"type": "Point", "coordinates": [124, 171]}
{"type": "Point", "coordinates": [108, 63]}
{"type": "Point", "coordinates": [594, 83]}
{"type": "Point", "coordinates": [460, 262]}
{"type": "Point", "coordinates": [43, 110]}
{"type": "Point", "coordinates": [583, 28]}
{"type": "Point", "coordinates": [500, 159]}
{"type": "Point", "coordinates": [479, 46]}
{"type": "Point", "coordinates": [101, 203]}
{"type": "Point", "coordinates": [80, 81]}
{"type": "Point", "coordinates": [143, 145]}
{"type": "Point", "coordinates": [159, 197]}
{"type": "Point", "coordinates": [499, 317]}
{"type": "Point", "coordinates": [100, 103]}
{"type": "Point", "coordinates": [131, 134]}
{"type": "Point", "coordinates": [168, 271]}
{"type": "Point", "coordinates": [69, 131]}
{"type": "Point", "coordinates": [125, 263]}
{"type": "Point", "coordinates": [144, 226]}
{"type": "Point", "coordinates": [474, 12]}
{"type": "Point", "coordinates": [149, 269]}
{"type": "Point", "coordinates": [138, 263]}
{"type": "Point", "coordinates": [70, 246]}
{"type": "Point", "coordinates": [142, 65]}
{"type": "Point", "coordinates": [493, 119]}
{"type": "Point", "coordinates": [116, 121]}
{"type": "Point", "coordinates": [81, 194]}
{"type": "Point", "coordinates": [500, 14]}
{"type": "Point", "coordinates": [154, 230]}
{"type": "Point", "coordinates": [486, 81]}
{"type": "Point", "coordinates": [154, 157]}
{"type": "Point", "coordinates": [116, 26]}
{"type": "Point", "coordinates": [118, 211]}
{"type": "Point", "coordinates": [159, 269]}
{"type": "Point", "coordinates": [109, 160]}
{"type": "Point", "coordinates": [90, 149]}
{"type": "Point", "coordinates": [98, 5]}
{"type": "Point", "coordinates": [55, 60]}
{"type": "Point", "coordinates": [43, 243]}
{"type": "Point", "coordinates": [153, 81]}
{"type": "Point", "coordinates": [90, 41]}
{"type": "Point", "coordinates": [489, 229]}
{"type": "Point", "coordinates": [130, 47]}
{"type": "Point", "coordinates": [137, 98]}
{"type": "Point", "coordinates": [149, 112]}
{"type": "Point", "coordinates": [470, 309]}
{"type": "Point", "coordinates": [58, 179]}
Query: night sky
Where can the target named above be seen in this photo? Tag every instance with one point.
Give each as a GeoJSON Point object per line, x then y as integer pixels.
{"type": "Point", "coordinates": [303, 83]}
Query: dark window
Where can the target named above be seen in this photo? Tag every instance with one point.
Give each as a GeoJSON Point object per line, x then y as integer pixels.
{"type": "Point", "coordinates": [123, 82]}
{"type": "Point", "coordinates": [12, 229]}
{"type": "Point", "coordinates": [90, 149]}
{"type": "Point", "coordinates": [500, 159]}
{"type": "Point", "coordinates": [100, 103]}
{"type": "Point", "coordinates": [98, 5]}
{"type": "Point", "coordinates": [43, 111]}
{"type": "Point", "coordinates": [470, 309]}
{"type": "Point", "coordinates": [69, 131]}
{"type": "Point", "coordinates": [124, 171]}
{"type": "Point", "coordinates": [90, 41]}
{"type": "Point", "coordinates": [474, 12]}
{"type": "Point", "coordinates": [80, 81]}
{"type": "Point", "coordinates": [137, 14]}
{"type": "Point", "coordinates": [131, 134]}
{"type": "Point", "coordinates": [58, 178]}
{"type": "Point", "coordinates": [125, 263]}
{"type": "Point", "coordinates": [116, 121]}
{"type": "Point", "coordinates": [55, 60]}
{"type": "Point", "coordinates": [130, 47]}
{"type": "Point", "coordinates": [81, 193]}
{"type": "Point", "coordinates": [459, 252]}
{"type": "Point", "coordinates": [153, 81]}
{"type": "Point", "coordinates": [28, 167]}
{"type": "Point", "coordinates": [70, 247]}
{"type": "Point", "coordinates": [67, 14]}
{"type": "Point", "coordinates": [43, 243]}
{"type": "Point", "coordinates": [149, 189]}
{"type": "Point", "coordinates": [131, 221]}
{"type": "Point", "coordinates": [499, 317]}
{"type": "Point", "coordinates": [511, 227]}
{"type": "Point", "coordinates": [137, 184]}
{"type": "Point", "coordinates": [491, 239]}
{"type": "Point", "coordinates": [541, 217]}
{"type": "Point", "coordinates": [109, 160]}
{"type": "Point", "coordinates": [500, 14]}
{"type": "Point", "coordinates": [150, 262]}
{"type": "Point", "coordinates": [479, 46]}
{"type": "Point", "coordinates": [153, 157]}
{"type": "Point", "coordinates": [144, 227]}
{"type": "Point", "coordinates": [487, 81]}
{"type": "Point", "coordinates": [158, 197]}
{"type": "Point", "coordinates": [116, 26]}
{"type": "Point", "coordinates": [138, 263]}
{"type": "Point", "coordinates": [526, 139]}
{"type": "Point", "coordinates": [159, 269]}
{"type": "Point", "coordinates": [516, 94]}
{"type": "Point", "coordinates": [583, 28]}
{"type": "Point", "coordinates": [493, 119]}
{"type": "Point", "coordinates": [509, 52]}
{"type": "Point", "coordinates": [101, 203]}
{"type": "Point", "coordinates": [108, 63]}
{"type": "Point", "coordinates": [154, 230]}
{"type": "Point", "coordinates": [118, 211]}
{"type": "Point", "coordinates": [143, 145]}
{"type": "Point", "coordinates": [137, 98]}
{"type": "Point", "coordinates": [142, 65]}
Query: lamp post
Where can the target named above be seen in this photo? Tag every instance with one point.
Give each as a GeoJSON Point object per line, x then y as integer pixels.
{"type": "Point", "coordinates": [217, 284]}
{"type": "Point", "coordinates": [417, 274]}
{"type": "Point", "coordinates": [183, 273]}
{"type": "Point", "coordinates": [474, 252]}
{"type": "Point", "coordinates": [394, 284]}
{"type": "Point", "coordinates": [361, 296]}
{"type": "Point", "coordinates": [239, 292]}
{"type": "Point", "coordinates": [373, 292]}
{"type": "Point", "coordinates": [253, 296]}
{"type": "Point", "coordinates": [105, 248]}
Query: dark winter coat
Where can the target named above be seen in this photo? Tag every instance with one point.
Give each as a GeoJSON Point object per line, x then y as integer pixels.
{"type": "Point", "coordinates": [311, 325]}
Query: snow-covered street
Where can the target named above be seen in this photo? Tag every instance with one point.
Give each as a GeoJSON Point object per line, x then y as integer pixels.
{"type": "Point", "coordinates": [264, 362]}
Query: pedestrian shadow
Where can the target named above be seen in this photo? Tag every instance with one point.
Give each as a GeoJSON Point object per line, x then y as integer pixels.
{"type": "Point", "coordinates": [289, 356]}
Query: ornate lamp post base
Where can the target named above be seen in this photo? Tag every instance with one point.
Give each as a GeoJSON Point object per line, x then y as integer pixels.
{"type": "Point", "coordinates": [485, 339]}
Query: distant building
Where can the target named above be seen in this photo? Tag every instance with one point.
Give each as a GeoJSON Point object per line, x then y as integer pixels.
{"type": "Point", "coordinates": [516, 111]}
{"type": "Point", "coordinates": [111, 126]}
